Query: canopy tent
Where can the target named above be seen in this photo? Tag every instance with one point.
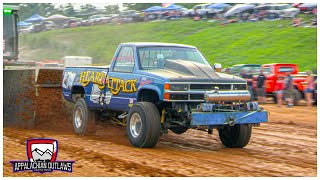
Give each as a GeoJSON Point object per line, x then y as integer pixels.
{"type": "Point", "coordinates": [22, 23]}
{"type": "Point", "coordinates": [57, 17]}
{"type": "Point", "coordinates": [173, 7]}
{"type": "Point", "coordinates": [34, 18]}
{"type": "Point", "coordinates": [218, 6]}
{"type": "Point", "coordinates": [238, 9]}
{"type": "Point", "coordinates": [154, 9]}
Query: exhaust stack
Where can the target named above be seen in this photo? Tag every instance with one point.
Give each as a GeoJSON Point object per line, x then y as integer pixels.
{"type": "Point", "coordinates": [227, 96]}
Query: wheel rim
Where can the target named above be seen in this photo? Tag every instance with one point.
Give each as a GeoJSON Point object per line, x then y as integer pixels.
{"type": "Point", "coordinates": [78, 119]}
{"type": "Point", "coordinates": [135, 125]}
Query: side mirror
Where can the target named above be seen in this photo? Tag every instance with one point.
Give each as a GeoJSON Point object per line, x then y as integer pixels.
{"type": "Point", "coordinates": [217, 67]}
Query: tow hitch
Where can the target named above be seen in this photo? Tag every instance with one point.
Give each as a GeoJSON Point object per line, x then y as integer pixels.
{"type": "Point", "coordinates": [232, 121]}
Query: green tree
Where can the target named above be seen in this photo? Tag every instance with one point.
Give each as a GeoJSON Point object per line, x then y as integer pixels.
{"type": "Point", "coordinates": [68, 10]}
{"type": "Point", "coordinates": [140, 6]}
{"type": "Point", "coordinates": [112, 9]}
{"type": "Point", "coordinates": [88, 9]}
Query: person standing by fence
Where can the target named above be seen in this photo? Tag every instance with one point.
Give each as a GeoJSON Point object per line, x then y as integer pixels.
{"type": "Point", "coordinates": [279, 90]}
{"type": "Point", "coordinates": [261, 88]}
{"type": "Point", "coordinates": [248, 77]}
{"type": "Point", "coordinates": [289, 89]}
{"type": "Point", "coordinates": [310, 88]}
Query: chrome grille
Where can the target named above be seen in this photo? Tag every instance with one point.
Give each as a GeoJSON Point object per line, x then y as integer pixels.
{"type": "Point", "coordinates": [196, 96]}
{"type": "Point", "coordinates": [208, 87]}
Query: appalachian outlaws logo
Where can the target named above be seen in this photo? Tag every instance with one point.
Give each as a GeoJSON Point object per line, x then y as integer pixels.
{"type": "Point", "coordinates": [42, 155]}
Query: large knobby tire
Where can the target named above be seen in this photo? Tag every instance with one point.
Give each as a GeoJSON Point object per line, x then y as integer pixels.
{"type": "Point", "coordinates": [83, 118]}
{"type": "Point", "coordinates": [237, 136]}
{"type": "Point", "coordinates": [143, 125]}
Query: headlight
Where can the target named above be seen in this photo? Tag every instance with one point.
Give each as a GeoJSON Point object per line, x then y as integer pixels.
{"type": "Point", "coordinates": [179, 87]}
{"type": "Point", "coordinates": [239, 86]}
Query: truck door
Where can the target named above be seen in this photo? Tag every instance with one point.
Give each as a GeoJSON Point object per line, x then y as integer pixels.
{"type": "Point", "coordinates": [122, 82]}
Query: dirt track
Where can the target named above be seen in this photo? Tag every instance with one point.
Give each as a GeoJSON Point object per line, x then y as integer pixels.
{"type": "Point", "coordinates": [286, 146]}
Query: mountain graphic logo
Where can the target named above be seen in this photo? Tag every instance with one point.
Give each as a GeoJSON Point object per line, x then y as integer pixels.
{"type": "Point", "coordinates": [39, 155]}
{"type": "Point", "coordinates": [42, 157]}
{"type": "Point", "coordinates": [42, 150]}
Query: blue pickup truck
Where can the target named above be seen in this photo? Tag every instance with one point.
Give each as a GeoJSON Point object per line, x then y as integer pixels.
{"type": "Point", "coordinates": [155, 87]}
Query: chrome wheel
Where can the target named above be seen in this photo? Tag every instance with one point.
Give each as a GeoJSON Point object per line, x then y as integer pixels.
{"type": "Point", "coordinates": [78, 118]}
{"type": "Point", "coordinates": [135, 125]}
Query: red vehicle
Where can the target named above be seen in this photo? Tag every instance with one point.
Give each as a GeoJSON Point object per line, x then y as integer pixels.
{"type": "Point", "coordinates": [272, 71]}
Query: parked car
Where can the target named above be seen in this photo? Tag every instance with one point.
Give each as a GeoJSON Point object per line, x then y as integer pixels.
{"type": "Point", "coordinates": [131, 15]}
{"type": "Point", "coordinates": [279, 10]}
{"type": "Point", "coordinates": [26, 30]}
{"type": "Point", "coordinates": [201, 9]}
{"type": "Point", "coordinates": [272, 71]}
{"type": "Point", "coordinates": [236, 69]}
{"type": "Point", "coordinates": [307, 7]}
{"type": "Point", "coordinates": [49, 25]}
{"type": "Point", "coordinates": [99, 19]}
{"type": "Point", "coordinates": [284, 10]}
{"type": "Point", "coordinates": [188, 12]}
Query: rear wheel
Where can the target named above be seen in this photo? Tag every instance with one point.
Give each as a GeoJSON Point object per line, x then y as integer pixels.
{"type": "Point", "coordinates": [143, 125]}
{"type": "Point", "coordinates": [237, 136]}
{"type": "Point", "coordinates": [83, 118]}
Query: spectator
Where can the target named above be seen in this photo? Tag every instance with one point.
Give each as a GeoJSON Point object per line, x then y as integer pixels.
{"type": "Point", "coordinates": [217, 67]}
{"type": "Point", "coordinates": [248, 77]}
{"type": "Point", "coordinates": [310, 88]}
{"type": "Point", "coordinates": [279, 90]}
{"type": "Point", "coordinates": [261, 92]}
{"type": "Point", "coordinates": [241, 72]}
{"type": "Point", "coordinates": [289, 89]}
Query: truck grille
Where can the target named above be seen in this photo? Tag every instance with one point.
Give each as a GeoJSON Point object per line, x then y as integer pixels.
{"type": "Point", "coordinates": [196, 96]}
{"type": "Point", "coordinates": [208, 87]}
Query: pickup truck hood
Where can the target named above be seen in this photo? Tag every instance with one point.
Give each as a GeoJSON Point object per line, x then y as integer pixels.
{"type": "Point", "coordinates": [184, 71]}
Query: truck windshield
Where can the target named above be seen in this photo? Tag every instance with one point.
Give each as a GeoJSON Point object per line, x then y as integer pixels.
{"type": "Point", "coordinates": [267, 70]}
{"type": "Point", "coordinates": [155, 57]}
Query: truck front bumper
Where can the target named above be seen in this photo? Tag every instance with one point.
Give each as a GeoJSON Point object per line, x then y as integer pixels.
{"type": "Point", "coordinates": [223, 118]}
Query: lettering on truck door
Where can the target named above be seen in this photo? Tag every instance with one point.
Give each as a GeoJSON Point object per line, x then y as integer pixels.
{"type": "Point", "coordinates": [122, 81]}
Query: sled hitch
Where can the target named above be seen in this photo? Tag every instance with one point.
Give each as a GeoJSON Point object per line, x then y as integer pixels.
{"type": "Point", "coordinates": [231, 121]}
{"type": "Point", "coordinates": [229, 118]}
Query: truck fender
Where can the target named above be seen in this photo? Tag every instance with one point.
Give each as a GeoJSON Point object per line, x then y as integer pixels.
{"type": "Point", "coordinates": [76, 92]}
{"type": "Point", "coordinates": [150, 87]}
{"type": "Point", "coordinates": [298, 86]}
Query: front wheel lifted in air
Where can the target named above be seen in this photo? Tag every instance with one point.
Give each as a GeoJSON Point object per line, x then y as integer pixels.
{"type": "Point", "coordinates": [237, 136]}
{"type": "Point", "coordinates": [143, 125]}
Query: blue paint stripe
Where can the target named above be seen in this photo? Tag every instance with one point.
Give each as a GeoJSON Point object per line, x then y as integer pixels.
{"type": "Point", "coordinates": [219, 118]}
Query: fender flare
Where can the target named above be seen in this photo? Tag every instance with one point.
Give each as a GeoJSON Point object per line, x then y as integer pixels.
{"type": "Point", "coordinates": [150, 87]}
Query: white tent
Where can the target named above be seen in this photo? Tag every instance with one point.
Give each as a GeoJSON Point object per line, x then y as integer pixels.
{"type": "Point", "coordinates": [238, 9]}
{"type": "Point", "coordinates": [57, 17]}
